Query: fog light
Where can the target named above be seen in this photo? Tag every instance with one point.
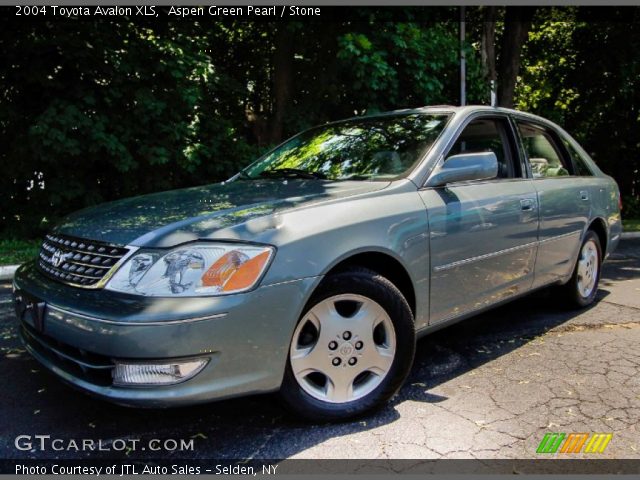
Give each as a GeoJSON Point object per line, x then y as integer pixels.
{"type": "Point", "coordinates": [156, 373]}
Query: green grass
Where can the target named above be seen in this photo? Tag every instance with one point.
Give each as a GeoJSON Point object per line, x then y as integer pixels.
{"type": "Point", "coordinates": [631, 225]}
{"type": "Point", "coordinates": [13, 252]}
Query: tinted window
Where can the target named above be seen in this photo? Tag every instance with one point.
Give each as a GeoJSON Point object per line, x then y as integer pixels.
{"type": "Point", "coordinates": [486, 135]}
{"type": "Point", "coordinates": [541, 150]}
{"type": "Point", "coordinates": [365, 149]}
{"type": "Point", "coordinates": [580, 166]}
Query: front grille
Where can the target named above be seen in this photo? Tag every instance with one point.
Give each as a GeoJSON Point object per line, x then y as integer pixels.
{"type": "Point", "coordinates": [77, 261]}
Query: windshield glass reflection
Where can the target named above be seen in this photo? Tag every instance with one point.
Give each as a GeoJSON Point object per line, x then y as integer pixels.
{"type": "Point", "coordinates": [376, 148]}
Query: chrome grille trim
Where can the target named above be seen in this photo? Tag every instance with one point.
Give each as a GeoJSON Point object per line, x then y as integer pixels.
{"type": "Point", "coordinates": [80, 262]}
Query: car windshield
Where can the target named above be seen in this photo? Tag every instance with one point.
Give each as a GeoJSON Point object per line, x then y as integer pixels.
{"type": "Point", "coordinates": [376, 148]}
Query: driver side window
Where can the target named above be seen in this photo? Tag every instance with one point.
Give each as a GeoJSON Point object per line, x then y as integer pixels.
{"type": "Point", "coordinates": [486, 135]}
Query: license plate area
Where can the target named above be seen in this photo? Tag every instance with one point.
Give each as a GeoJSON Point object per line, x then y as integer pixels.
{"type": "Point", "coordinates": [30, 309]}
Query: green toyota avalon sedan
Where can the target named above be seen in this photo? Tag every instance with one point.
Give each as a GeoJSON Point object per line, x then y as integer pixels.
{"type": "Point", "coordinates": [312, 271]}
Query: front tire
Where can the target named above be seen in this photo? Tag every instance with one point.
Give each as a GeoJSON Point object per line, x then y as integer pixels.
{"type": "Point", "coordinates": [582, 288]}
{"type": "Point", "coordinates": [352, 348]}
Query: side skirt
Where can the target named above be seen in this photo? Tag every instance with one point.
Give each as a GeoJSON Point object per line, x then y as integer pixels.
{"type": "Point", "coordinates": [452, 321]}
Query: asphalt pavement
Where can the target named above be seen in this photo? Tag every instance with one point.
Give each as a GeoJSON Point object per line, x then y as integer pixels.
{"type": "Point", "coordinates": [489, 387]}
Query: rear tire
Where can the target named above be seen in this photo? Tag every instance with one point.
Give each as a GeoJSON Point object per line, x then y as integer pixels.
{"type": "Point", "coordinates": [580, 291]}
{"type": "Point", "coordinates": [352, 348]}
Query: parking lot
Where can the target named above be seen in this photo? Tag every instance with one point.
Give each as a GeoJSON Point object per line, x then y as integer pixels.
{"type": "Point", "coordinates": [489, 387]}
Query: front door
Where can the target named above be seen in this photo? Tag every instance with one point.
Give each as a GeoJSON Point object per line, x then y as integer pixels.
{"type": "Point", "coordinates": [483, 233]}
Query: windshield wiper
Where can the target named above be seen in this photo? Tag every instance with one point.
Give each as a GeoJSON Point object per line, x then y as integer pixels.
{"type": "Point", "coordinates": [292, 172]}
{"type": "Point", "coordinates": [354, 177]}
{"type": "Point", "coordinates": [245, 175]}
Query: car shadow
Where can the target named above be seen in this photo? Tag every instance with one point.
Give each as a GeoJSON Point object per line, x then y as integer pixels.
{"type": "Point", "coordinates": [619, 269]}
{"type": "Point", "coordinates": [467, 345]}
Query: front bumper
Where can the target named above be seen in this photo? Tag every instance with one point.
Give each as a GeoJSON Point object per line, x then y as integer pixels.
{"type": "Point", "coordinates": [78, 333]}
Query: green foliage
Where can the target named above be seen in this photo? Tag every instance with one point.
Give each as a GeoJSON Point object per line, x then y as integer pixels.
{"type": "Point", "coordinates": [96, 109]}
{"type": "Point", "coordinates": [631, 225]}
{"type": "Point", "coordinates": [100, 109]}
{"type": "Point", "coordinates": [14, 252]}
{"type": "Point", "coordinates": [581, 68]}
{"type": "Point", "coordinates": [396, 65]}
{"type": "Point", "coordinates": [630, 207]}
{"type": "Point", "coordinates": [548, 59]}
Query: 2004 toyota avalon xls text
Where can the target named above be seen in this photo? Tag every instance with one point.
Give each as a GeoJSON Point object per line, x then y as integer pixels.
{"type": "Point", "coordinates": [313, 270]}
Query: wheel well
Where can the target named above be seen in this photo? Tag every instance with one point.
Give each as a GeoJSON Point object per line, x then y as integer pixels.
{"type": "Point", "coordinates": [600, 228]}
{"type": "Point", "coordinates": [385, 265]}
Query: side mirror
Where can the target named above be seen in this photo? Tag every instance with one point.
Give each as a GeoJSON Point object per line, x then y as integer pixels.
{"type": "Point", "coordinates": [464, 167]}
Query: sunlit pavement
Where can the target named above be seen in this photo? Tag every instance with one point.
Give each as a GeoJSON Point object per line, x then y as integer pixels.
{"type": "Point", "coordinates": [489, 387]}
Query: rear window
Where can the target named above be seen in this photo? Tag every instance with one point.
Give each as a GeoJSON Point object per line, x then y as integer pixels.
{"type": "Point", "coordinates": [580, 166]}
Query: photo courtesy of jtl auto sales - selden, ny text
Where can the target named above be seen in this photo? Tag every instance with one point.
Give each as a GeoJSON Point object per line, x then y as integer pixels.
{"type": "Point", "coordinates": [320, 238]}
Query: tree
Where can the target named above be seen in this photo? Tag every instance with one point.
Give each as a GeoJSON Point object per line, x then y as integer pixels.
{"type": "Point", "coordinates": [517, 24]}
{"type": "Point", "coordinates": [95, 109]}
{"type": "Point", "coordinates": [282, 77]}
{"type": "Point", "coordinates": [581, 68]}
{"type": "Point", "coordinates": [502, 65]}
{"type": "Point", "coordinates": [488, 45]}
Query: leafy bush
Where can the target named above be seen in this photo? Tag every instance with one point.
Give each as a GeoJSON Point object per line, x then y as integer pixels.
{"type": "Point", "coordinates": [96, 109]}
{"type": "Point", "coordinates": [630, 207]}
{"type": "Point", "coordinates": [14, 252]}
{"type": "Point", "coordinates": [99, 109]}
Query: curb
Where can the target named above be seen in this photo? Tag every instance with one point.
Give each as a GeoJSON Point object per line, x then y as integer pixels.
{"type": "Point", "coordinates": [7, 271]}
{"type": "Point", "coordinates": [629, 235]}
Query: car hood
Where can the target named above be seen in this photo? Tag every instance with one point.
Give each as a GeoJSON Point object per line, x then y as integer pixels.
{"type": "Point", "coordinates": [169, 218]}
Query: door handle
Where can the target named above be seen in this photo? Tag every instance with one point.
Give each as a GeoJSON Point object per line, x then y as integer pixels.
{"type": "Point", "coordinates": [527, 204]}
{"type": "Point", "coordinates": [584, 195]}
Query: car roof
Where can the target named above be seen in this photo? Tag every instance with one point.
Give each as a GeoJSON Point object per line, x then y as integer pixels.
{"type": "Point", "coordinates": [465, 110]}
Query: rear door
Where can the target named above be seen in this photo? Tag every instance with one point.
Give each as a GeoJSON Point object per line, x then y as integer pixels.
{"type": "Point", "coordinates": [482, 233]}
{"type": "Point", "coordinates": [564, 200]}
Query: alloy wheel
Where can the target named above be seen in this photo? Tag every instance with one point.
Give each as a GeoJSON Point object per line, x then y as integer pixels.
{"type": "Point", "coordinates": [343, 348]}
{"type": "Point", "coordinates": [588, 265]}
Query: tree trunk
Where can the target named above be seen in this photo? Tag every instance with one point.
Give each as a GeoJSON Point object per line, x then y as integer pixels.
{"type": "Point", "coordinates": [517, 25]}
{"type": "Point", "coordinates": [282, 80]}
{"type": "Point", "coordinates": [488, 45]}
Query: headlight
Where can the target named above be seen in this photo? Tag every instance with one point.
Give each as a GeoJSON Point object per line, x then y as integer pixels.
{"type": "Point", "coordinates": [192, 270]}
